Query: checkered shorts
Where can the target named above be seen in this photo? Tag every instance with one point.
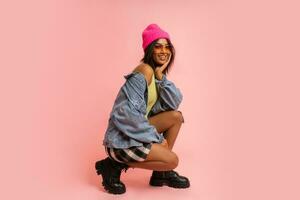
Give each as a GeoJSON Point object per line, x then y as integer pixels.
{"type": "Point", "coordinates": [132, 154]}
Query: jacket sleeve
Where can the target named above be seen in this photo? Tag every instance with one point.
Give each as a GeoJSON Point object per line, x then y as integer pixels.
{"type": "Point", "coordinates": [170, 96]}
{"type": "Point", "coordinates": [128, 114]}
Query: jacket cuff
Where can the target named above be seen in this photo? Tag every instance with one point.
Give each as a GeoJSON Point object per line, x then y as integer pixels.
{"type": "Point", "coordinates": [160, 138]}
{"type": "Point", "coordinates": [163, 80]}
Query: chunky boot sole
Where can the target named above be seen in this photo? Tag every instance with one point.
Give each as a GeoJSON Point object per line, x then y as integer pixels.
{"type": "Point", "coordinates": [109, 189]}
{"type": "Point", "coordinates": [162, 182]}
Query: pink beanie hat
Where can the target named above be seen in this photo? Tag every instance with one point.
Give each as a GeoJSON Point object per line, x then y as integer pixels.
{"type": "Point", "coordinates": [151, 33]}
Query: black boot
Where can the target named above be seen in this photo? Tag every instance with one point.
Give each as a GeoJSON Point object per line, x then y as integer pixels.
{"type": "Point", "coordinates": [111, 172]}
{"type": "Point", "coordinates": [169, 178]}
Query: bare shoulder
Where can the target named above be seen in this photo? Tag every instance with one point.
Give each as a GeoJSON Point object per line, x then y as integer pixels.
{"type": "Point", "coordinates": [146, 70]}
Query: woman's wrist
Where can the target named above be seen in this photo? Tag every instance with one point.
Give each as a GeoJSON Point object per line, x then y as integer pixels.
{"type": "Point", "coordinates": [158, 75]}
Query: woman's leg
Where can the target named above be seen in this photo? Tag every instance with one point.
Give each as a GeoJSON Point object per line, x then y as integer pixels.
{"type": "Point", "coordinates": [168, 122]}
{"type": "Point", "coordinates": [161, 158]}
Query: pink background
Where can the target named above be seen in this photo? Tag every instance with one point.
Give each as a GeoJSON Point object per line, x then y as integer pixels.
{"type": "Point", "coordinates": [62, 64]}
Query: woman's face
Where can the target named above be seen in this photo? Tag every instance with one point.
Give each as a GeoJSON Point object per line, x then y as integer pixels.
{"type": "Point", "coordinates": [161, 51]}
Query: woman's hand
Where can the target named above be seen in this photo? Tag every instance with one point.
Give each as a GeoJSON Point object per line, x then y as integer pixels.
{"type": "Point", "coordinates": [159, 70]}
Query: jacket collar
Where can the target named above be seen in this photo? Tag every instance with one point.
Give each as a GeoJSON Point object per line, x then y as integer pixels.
{"type": "Point", "coordinates": [127, 76]}
{"type": "Point", "coordinates": [138, 74]}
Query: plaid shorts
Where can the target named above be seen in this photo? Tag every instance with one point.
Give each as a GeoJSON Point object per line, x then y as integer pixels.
{"type": "Point", "coordinates": [132, 154]}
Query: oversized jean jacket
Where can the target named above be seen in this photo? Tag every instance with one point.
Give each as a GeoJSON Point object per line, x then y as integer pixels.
{"type": "Point", "coordinates": [127, 124]}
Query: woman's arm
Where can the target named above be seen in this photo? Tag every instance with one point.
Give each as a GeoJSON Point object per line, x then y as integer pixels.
{"type": "Point", "coordinates": [170, 96]}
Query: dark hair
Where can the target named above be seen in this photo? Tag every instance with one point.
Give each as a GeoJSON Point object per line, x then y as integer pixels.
{"type": "Point", "coordinates": [148, 56]}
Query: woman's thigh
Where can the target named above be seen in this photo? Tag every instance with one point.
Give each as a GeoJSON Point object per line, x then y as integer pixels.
{"type": "Point", "coordinates": [164, 120]}
{"type": "Point", "coordinates": [160, 153]}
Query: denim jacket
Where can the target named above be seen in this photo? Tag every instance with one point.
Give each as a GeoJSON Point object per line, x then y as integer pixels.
{"type": "Point", "coordinates": [127, 124]}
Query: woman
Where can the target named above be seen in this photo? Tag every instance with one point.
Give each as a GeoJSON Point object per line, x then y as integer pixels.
{"type": "Point", "coordinates": [144, 121]}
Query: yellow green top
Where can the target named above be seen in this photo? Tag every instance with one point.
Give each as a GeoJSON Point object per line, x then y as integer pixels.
{"type": "Point", "coordinates": [152, 95]}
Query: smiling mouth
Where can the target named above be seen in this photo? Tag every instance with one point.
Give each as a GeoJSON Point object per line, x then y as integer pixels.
{"type": "Point", "coordinates": [162, 57]}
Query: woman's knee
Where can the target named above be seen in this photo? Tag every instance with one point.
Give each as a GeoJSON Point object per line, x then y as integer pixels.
{"type": "Point", "coordinates": [177, 116]}
{"type": "Point", "coordinates": [172, 161]}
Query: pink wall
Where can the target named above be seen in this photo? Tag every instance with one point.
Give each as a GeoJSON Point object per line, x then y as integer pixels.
{"type": "Point", "coordinates": [237, 64]}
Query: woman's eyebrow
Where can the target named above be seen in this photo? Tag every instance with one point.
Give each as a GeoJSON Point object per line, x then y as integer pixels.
{"type": "Point", "coordinates": [163, 43]}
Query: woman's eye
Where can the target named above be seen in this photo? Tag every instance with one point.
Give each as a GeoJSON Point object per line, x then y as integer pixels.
{"type": "Point", "coordinates": [161, 46]}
